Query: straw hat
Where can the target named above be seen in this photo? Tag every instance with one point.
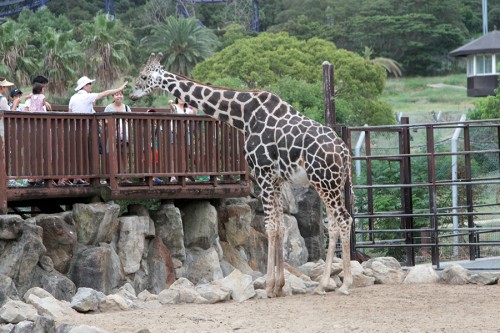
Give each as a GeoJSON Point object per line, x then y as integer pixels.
{"type": "Point", "coordinates": [6, 83]}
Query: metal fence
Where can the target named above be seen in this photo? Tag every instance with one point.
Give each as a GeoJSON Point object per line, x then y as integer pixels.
{"type": "Point", "coordinates": [427, 192]}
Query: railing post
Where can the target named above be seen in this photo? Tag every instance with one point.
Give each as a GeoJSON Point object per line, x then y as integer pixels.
{"type": "Point", "coordinates": [3, 168]}
{"type": "Point", "coordinates": [94, 151]}
{"type": "Point", "coordinates": [109, 148]}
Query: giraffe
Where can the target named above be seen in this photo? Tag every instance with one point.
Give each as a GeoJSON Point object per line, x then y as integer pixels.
{"type": "Point", "coordinates": [281, 145]}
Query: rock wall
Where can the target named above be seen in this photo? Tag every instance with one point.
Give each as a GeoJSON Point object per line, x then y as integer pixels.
{"type": "Point", "coordinates": [93, 247]}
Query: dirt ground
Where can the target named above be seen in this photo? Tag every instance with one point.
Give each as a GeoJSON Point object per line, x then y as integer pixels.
{"type": "Point", "coordinates": [379, 308]}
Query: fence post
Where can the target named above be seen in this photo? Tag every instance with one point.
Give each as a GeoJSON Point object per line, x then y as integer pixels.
{"type": "Point", "coordinates": [329, 93]}
{"type": "Point", "coordinates": [3, 168]}
{"type": "Point", "coordinates": [468, 189]}
{"type": "Point", "coordinates": [407, 192]}
{"type": "Point", "coordinates": [431, 176]}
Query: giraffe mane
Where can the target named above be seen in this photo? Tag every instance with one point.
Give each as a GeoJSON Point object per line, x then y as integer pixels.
{"type": "Point", "coordinates": [155, 59]}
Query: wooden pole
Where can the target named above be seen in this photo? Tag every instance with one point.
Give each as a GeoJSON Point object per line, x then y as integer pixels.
{"type": "Point", "coordinates": [329, 93]}
{"type": "Point", "coordinates": [3, 168]}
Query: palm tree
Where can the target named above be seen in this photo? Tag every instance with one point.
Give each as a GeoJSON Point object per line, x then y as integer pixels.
{"type": "Point", "coordinates": [62, 55]}
{"type": "Point", "coordinates": [390, 65]}
{"type": "Point", "coordinates": [106, 45]}
{"type": "Point", "coordinates": [15, 64]}
{"type": "Point", "coordinates": [184, 42]}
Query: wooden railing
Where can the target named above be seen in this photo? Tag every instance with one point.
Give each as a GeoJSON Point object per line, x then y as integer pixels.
{"type": "Point", "coordinates": [189, 154]}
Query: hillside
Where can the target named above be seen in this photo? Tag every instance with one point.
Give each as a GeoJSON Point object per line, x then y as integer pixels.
{"type": "Point", "coordinates": [421, 97]}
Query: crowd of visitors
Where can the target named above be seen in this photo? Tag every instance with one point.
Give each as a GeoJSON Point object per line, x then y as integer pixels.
{"type": "Point", "coordinates": [83, 101]}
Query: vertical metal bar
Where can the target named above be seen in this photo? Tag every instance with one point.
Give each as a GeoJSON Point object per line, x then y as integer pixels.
{"type": "Point", "coordinates": [406, 190]}
{"type": "Point", "coordinates": [468, 189]}
{"type": "Point", "coordinates": [369, 182]}
{"type": "Point", "coordinates": [431, 176]}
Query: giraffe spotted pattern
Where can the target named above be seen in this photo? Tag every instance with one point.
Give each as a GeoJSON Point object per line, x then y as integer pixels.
{"type": "Point", "coordinates": [281, 145]}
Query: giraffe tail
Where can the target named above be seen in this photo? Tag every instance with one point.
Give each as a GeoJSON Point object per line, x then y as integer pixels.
{"type": "Point", "coordinates": [349, 178]}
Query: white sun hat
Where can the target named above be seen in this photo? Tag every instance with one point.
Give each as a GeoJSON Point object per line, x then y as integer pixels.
{"type": "Point", "coordinates": [82, 82]}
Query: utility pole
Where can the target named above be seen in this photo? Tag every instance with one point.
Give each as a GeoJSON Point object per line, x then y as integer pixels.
{"type": "Point", "coordinates": [485, 17]}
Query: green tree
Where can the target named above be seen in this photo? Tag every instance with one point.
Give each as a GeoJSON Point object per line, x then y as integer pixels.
{"type": "Point", "coordinates": [265, 60]}
{"type": "Point", "coordinates": [183, 41]}
{"type": "Point", "coordinates": [486, 108]}
{"type": "Point", "coordinates": [106, 45]}
{"type": "Point", "coordinates": [61, 55]}
{"type": "Point", "coordinates": [14, 45]}
{"type": "Point", "coordinates": [390, 65]}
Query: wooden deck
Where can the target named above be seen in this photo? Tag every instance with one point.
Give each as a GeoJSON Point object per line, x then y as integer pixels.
{"type": "Point", "coordinates": [135, 155]}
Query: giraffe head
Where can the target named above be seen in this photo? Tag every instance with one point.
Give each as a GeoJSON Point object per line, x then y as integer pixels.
{"type": "Point", "coordinates": [149, 78]}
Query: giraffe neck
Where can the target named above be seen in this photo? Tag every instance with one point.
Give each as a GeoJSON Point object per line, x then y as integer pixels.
{"type": "Point", "coordinates": [238, 108]}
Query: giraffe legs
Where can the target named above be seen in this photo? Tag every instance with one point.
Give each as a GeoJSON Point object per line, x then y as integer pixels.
{"type": "Point", "coordinates": [339, 224]}
{"type": "Point", "coordinates": [273, 210]}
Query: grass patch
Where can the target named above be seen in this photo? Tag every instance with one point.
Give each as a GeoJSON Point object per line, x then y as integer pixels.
{"type": "Point", "coordinates": [421, 97]}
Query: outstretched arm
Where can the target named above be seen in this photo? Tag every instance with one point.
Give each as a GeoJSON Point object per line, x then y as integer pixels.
{"type": "Point", "coordinates": [111, 91]}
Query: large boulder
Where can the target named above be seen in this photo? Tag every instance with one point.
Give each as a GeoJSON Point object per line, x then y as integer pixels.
{"type": "Point", "coordinates": [141, 210]}
{"type": "Point", "coordinates": [455, 274]}
{"type": "Point", "coordinates": [236, 257]}
{"type": "Point", "coordinates": [16, 311]}
{"type": "Point", "coordinates": [161, 268]}
{"type": "Point", "coordinates": [295, 248]}
{"type": "Point", "coordinates": [20, 256]}
{"type": "Point", "coordinates": [309, 217]}
{"type": "Point", "coordinates": [237, 224]}
{"type": "Point", "coordinates": [202, 265]}
{"type": "Point", "coordinates": [54, 282]}
{"type": "Point", "coordinates": [485, 278]}
{"type": "Point", "coordinates": [87, 299]}
{"type": "Point", "coordinates": [98, 268]}
{"type": "Point", "coordinates": [59, 239]}
{"type": "Point", "coordinates": [49, 306]}
{"type": "Point", "coordinates": [421, 274]}
{"type": "Point", "coordinates": [256, 249]}
{"type": "Point", "coordinates": [200, 225]}
{"type": "Point", "coordinates": [385, 270]}
{"type": "Point", "coordinates": [168, 226]}
{"type": "Point", "coordinates": [240, 284]}
{"type": "Point", "coordinates": [8, 290]}
{"type": "Point", "coordinates": [133, 230]}
{"type": "Point", "coordinates": [11, 227]}
{"type": "Point", "coordinates": [95, 223]}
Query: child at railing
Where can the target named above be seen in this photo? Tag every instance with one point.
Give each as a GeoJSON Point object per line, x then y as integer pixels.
{"type": "Point", "coordinates": [37, 100]}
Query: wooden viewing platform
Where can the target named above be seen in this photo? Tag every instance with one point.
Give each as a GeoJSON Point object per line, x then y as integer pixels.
{"type": "Point", "coordinates": [120, 154]}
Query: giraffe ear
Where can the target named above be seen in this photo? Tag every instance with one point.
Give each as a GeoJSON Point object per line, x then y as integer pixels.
{"type": "Point", "coordinates": [159, 57]}
{"type": "Point", "coordinates": [152, 57]}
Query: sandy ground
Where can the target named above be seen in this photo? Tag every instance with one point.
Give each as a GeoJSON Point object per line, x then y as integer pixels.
{"type": "Point", "coordinates": [379, 308]}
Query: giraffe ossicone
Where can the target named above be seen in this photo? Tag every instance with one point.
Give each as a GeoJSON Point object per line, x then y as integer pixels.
{"type": "Point", "coordinates": [281, 145]}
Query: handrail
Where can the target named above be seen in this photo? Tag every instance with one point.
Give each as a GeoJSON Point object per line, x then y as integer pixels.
{"type": "Point", "coordinates": [118, 146]}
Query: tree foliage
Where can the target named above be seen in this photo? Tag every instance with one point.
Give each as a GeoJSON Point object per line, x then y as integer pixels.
{"type": "Point", "coordinates": [106, 45]}
{"type": "Point", "coordinates": [183, 41]}
{"type": "Point", "coordinates": [267, 59]}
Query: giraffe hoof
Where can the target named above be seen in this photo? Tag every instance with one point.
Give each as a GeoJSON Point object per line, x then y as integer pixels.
{"type": "Point", "coordinates": [319, 291]}
{"type": "Point", "coordinates": [270, 293]}
{"type": "Point", "coordinates": [343, 291]}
